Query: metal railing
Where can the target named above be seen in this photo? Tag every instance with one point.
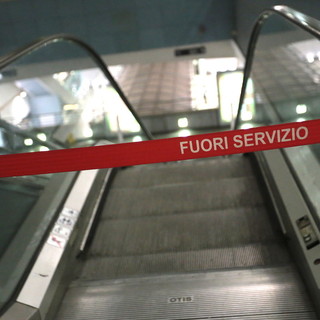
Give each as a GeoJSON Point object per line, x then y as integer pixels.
{"type": "Point", "coordinates": [29, 48]}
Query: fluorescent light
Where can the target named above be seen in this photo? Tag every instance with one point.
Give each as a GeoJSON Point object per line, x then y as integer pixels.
{"type": "Point", "coordinates": [43, 148]}
{"type": "Point", "coordinates": [61, 76]}
{"type": "Point", "coordinates": [42, 136]}
{"type": "Point", "coordinates": [137, 139]}
{"type": "Point", "coordinates": [301, 119]}
{"type": "Point", "coordinates": [301, 109]}
{"type": "Point", "coordinates": [28, 142]}
{"type": "Point", "coordinates": [183, 122]}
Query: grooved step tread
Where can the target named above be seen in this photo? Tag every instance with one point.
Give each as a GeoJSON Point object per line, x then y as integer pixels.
{"type": "Point", "coordinates": [186, 197]}
{"type": "Point", "coordinates": [183, 232]}
{"type": "Point", "coordinates": [186, 171]}
{"type": "Point", "coordinates": [179, 220]}
{"type": "Point", "coordinates": [245, 256]}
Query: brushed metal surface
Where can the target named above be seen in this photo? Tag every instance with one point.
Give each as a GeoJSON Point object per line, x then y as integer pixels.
{"type": "Point", "coordinates": [266, 293]}
{"type": "Point", "coordinates": [253, 255]}
{"type": "Point", "coordinates": [183, 172]}
{"type": "Point", "coordinates": [183, 232]}
{"type": "Point", "coordinates": [182, 198]}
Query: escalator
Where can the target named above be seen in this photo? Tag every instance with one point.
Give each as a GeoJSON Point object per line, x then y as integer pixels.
{"type": "Point", "coordinates": [191, 240]}
{"type": "Point", "coordinates": [232, 237]}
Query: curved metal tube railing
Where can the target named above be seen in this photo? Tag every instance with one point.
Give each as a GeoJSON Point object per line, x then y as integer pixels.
{"type": "Point", "coordinates": [29, 48]}
{"type": "Point", "coordinates": [303, 21]}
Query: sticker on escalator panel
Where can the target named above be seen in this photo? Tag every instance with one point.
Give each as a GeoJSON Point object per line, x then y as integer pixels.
{"type": "Point", "coordinates": [57, 241]}
{"type": "Point", "coordinates": [70, 212]}
{"type": "Point", "coordinates": [61, 231]}
{"type": "Point", "coordinates": [66, 221]}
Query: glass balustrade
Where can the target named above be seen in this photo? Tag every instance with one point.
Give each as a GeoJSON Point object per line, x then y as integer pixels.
{"type": "Point", "coordinates": [54, 97]}
{"type": "Point", "coordinates": [284, 87]}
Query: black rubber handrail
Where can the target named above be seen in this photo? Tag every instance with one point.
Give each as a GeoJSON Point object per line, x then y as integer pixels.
{"type": "Point", "coordinates": [33, 46]}
{"type": "Point", "coordinates": [303, 21]}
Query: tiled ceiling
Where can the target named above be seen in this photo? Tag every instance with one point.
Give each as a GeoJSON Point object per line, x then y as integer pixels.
{"type": "Point", "coordinates": [285, 76]}
{"type": "Point", "coordinates": [158, 88]}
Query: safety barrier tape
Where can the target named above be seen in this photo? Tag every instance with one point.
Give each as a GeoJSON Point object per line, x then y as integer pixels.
{"type": "Point", "coordinates": [162, 150]}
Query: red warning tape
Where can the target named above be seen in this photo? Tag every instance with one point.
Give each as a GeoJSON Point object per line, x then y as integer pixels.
{"type": "Point", "coordinates": [136, 153]}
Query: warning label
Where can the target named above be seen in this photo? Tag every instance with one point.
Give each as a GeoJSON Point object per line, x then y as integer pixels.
{"type": "Point", "coordinates": [244, 140]}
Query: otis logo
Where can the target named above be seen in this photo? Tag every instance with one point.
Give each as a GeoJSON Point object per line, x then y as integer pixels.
{"type": "Point", "coordinates": [180, 299]}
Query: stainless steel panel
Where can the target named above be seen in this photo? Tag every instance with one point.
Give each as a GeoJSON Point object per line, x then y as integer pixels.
{"type": "Point", "coordinates": [266, 293]}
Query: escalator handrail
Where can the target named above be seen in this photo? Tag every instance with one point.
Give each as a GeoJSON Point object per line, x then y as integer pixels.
{"type": "Point", "coordinates": [303, 21]}
{"type": "Point", "coordinates": [29, 48]}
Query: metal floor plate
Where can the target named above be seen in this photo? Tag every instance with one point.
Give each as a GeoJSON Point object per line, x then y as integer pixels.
{"type": "Point", "coordinates": [264, 293]}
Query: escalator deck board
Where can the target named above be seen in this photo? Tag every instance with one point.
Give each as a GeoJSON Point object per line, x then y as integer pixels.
{"type": "Point", "coordinates": [263, 293]}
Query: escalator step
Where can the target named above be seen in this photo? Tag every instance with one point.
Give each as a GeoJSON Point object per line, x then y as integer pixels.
{"type": "Point", "coordinates": [186, 197]}
{"type": "Point", "coordinates": [183, 232]}
{"type": "Point", "coordinates": [186, 171]}
{"type": "Point", "coordinates": [245, 256]}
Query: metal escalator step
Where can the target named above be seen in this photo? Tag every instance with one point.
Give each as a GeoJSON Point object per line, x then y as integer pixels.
{"type": "Point", "coordinates": [183, 232]}
{"type": "Point", "coordinates": [186, 197]}
{"type": "Point", "coordinates": [263, 293]}
{"type": "Point", "coordinates": [287, 316]}
{"type": "Point", "coordinates": [245, 256]}
{"type": "Point", "coordinates": [186, 171]}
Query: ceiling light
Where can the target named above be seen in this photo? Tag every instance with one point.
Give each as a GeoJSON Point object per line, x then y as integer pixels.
{"type": "Point", "coordinates": [28, 142]}
{"type": "Point", "coordinates": [61, 76]}
{"type": "Point", "coordinates": [301, 109]}
{"type": "Point", "coordinates": [183, 122]}
{"type": "Point", "coordinates": [42, 136]}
